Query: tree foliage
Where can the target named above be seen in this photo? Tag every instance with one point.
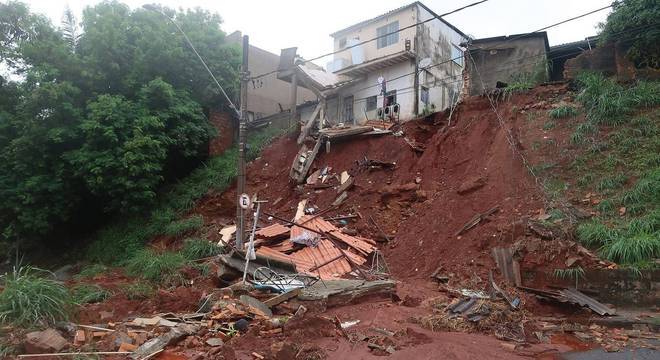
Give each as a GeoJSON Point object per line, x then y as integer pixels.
{"type": "Point", "coordinates": [638, 20]}
{"type": "Point", "coordinates": [105, 111]}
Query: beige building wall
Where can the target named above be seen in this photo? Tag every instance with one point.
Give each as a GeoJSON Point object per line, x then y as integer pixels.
{"type": "Point", "coordinates": [405, 17]}
{"type": "Point", "coordinates": [267, 95]}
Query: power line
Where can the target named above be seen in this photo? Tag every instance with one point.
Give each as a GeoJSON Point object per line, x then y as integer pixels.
{"type": "Point", "coordinates": [493, 48]}
{"type": "Point", "coordinates": [631, 31]}
{"type": "Point", "coordinates": [438, 17]}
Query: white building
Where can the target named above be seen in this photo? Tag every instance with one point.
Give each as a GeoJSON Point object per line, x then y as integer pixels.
{"type": "Point", "coordinates": [421, 65]}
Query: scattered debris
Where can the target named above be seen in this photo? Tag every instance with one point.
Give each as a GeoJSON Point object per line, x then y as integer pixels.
{"type": "Point", "coordinates": [572, 296]}
{"type": "Point", "coordinates": [159, 343]}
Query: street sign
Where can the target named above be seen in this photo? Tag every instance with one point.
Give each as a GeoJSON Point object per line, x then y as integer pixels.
{"type": "Point", "coordinates": [244, 201]}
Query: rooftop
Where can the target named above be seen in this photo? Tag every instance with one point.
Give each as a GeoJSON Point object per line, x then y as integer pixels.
{"type": "Point", "coordinates": [379, 17]}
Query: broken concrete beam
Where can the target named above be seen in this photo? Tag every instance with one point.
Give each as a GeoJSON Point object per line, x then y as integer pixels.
{"type": "Point", "coordinates": [282, 297]}
{"type": "Point", "coordinates": [255, 306]}
{"type": "Point", "coordinates": [46, 341]}
{"type": "Point", "coordinates": [169, 338]}
{"type": "Point", "coordinates": [343, 291]}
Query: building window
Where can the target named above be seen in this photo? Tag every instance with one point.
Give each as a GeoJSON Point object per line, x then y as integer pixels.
{"type": "Point", "coordinates": [342, 43]}
{"type": "Point", "coordinates": [348, 109]}
{"type": "Point", "coordinates": [424, 95]}
{"type": "Point", "coordinates": [372, 103]}
{"type": "Point", "coordinates": [390, 39]}
{"type": "Point", "coordinates": [457, 55]}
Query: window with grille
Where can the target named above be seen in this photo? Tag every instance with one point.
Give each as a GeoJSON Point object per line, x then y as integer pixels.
{"type": "Point", "coordinates": [390, 39]}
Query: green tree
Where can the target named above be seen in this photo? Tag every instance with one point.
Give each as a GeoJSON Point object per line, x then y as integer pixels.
{"type": "Point", "coordinates": [637, 21]}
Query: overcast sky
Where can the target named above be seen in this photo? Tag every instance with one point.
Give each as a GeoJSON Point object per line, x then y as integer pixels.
{"type": "Point", "coordinates": [277, 24]}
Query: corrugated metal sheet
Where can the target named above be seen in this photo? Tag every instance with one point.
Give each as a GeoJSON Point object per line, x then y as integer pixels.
{"type": "Point", "coordinates": [575, 296]}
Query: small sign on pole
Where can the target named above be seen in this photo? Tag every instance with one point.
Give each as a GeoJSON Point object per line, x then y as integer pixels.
{"type": "Point", "coordinates": [244, 201]}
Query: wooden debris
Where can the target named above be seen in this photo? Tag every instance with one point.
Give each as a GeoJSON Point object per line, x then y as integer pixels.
{"type": "Point", "coordinates": [343, 177]}
{"type": "Point", "coordinates": [226, 233]}
{"type": "Point", "coordinates": [476, 220]}
{"type": "Point", "coordinates": [258, 356]}
{"type": "Point", "coordinates": [508, 266]}
{"type": "Point", "coordinates": [340, 199]}
{"type": "Point", "coordinates": [417, 147]}
{"type": "Point", "coordinates": [300, 211]}
{"type": "Point", "coordinates": [80, 337]}
{"type": "Point", "coordinates": [346, 185]}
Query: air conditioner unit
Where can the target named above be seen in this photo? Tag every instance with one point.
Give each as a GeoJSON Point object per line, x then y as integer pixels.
{"type": "Point", "coordinates": [380, 113]}
{"type": "Point", "coordinates": [396, 108]}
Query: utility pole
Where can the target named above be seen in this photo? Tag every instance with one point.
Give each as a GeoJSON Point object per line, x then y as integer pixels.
{"type": "Point", "coordinates": [294, 98]}
{"type": "Point", "coordinates": [242, 130]}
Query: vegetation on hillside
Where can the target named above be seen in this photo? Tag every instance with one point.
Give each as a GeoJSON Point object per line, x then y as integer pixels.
{"type": "Point", "coordinates": [618, 162]}
{"type": "Point", "coordinates": [96, 115]}
{"type": "Point", "coordinates": [640, 16]}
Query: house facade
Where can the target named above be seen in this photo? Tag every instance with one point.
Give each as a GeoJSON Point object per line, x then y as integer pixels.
{"type": "Point", "coordinates": [267, 95]}
{"type": "Point", "coordinates": [416, 64]}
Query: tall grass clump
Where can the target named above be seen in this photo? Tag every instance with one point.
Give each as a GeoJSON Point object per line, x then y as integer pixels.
{"type": "Point", "coordinates": [563, 112]}
{"type": "Point", "coordinates": [195, 248]}
{"type": "Point", "coordinates": [89, 293]}
{"type": "Point", "coordinates": [594, 233]}
{"type": "Point", "coordinates": [633, 248]}
{"type": "Point", "coordinates": [606, 101]}
{"type": "Point", "coordinates": [160, 268]}
{"type": "Point", "coordinates": [32, 296]}
{"type": "Point", "coordinates": [184, 226]}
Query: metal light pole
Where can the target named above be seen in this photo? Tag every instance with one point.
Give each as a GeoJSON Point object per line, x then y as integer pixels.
{"type": "Point", "coordinates": [242, 115]}
{"type": "Point", "coordinates": [242, 132]}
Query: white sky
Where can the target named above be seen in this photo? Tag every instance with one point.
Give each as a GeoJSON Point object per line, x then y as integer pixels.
{"type": "Point", "coordinates": [277, 24]}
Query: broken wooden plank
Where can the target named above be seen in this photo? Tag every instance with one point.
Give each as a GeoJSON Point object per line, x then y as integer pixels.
{"type": "Point", "coordinates": [340, 199]}
{"type": "Point", "coordinates": [507, 265]}
{"type": "Point", "coordinates": [346, 185]}
{"type": "Point", "coordinates": [276, 300]}
{"type": "Point", "coordinates": [309, 159]}
{"type": "Point", "coordinates": [476, 220]}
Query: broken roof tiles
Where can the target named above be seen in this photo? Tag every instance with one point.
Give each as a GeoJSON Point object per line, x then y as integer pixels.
{"type": "Point", "coordinates": [273, 231]}
{"type": "Point", "coordinates": [320, 256]}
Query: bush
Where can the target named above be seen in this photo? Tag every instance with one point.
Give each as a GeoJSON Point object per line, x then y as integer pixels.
{"type": "Point", "coordinates": [88, 293]}
{"type": "Point", "coordinates": [194, 249]}
{"type": "Point", "coordinates": [156, 267]}
{"type": "Point", "coordinates": [563, 112]}
{"type": "Point", "coordinates": [184, 226]}
{"type": "Point", "coordinates": [30, 297]}
{"type": "Point", "coordinates": [119, 240]}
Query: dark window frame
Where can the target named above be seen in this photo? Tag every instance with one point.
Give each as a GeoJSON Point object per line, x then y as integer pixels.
{"type": "Point", "coordinates": [391, 39]}
{"type": "Point", "coordinates": [372, 103]}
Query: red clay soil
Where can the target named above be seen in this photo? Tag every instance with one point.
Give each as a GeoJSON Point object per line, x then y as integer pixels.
{"type": "Point", "coordinates": [418, 202]}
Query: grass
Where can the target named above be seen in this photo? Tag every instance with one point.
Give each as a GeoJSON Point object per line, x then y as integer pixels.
{"type": "Point", "coordinates": [594, 233]}
{"type": "Point", "coordinates": [124, 236]}
{"type": "Point", "coordinates": [92, 270]}
{"type": "Point", "coordinates": [563, 112]}
{"type": "Point", "coordinates": [573, 273]}
{"type": "Point", "coordinates": [184, 226]}
{"type": "Point", "coordinates": [612, 182]}
{"type": "Point", "coordinates": [89, 293]}
{"type": "Point", "coordinates": [159, 268]}
{"type": "Point", "coordinates": [549, 125]}
{"type": "Point", "coordinates": [634, 248]}
{"type": "Point", "coordinates": [31, 296]}
{"type": "Point", "coordinates": [195, 248]}
{"type": "Point", "coordinates": [138, 290]}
